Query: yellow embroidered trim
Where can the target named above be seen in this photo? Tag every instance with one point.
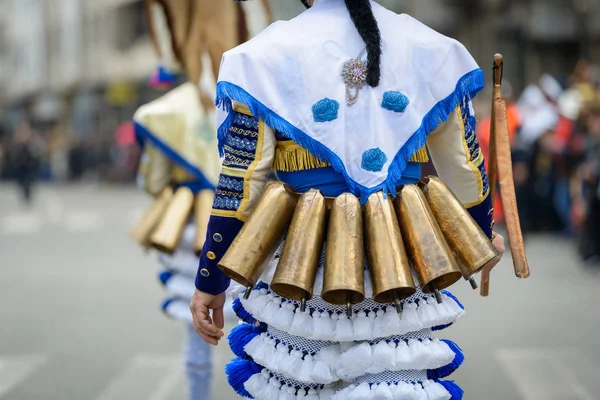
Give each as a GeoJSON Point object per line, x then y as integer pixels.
{"type": "Point", "coordinates": [257, 158]}
{"type": "Point", "coordinates": [470, 163]}
{"type": "Point", "coordinates": [224, 213]}
{"type": "Point", "coordinates": [241, 108]}
{"type": "Point", "coordinates": [421, 156]}
{"type": "Point", "coordinates": [237, 172]}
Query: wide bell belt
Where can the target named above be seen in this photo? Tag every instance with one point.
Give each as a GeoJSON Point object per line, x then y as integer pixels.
{"type": "Point", "coordinates": [425, 230]}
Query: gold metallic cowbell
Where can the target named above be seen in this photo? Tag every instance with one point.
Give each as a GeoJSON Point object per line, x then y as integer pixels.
{"type": "Point", "coordinates": [470, 245]}
{"type": "Point", "coordinates": [388, 262]}
{"type": "Point", "coordinates": [167, 235]}
{"type": "Point", "coordinates": [426, 246]}
{"type": "Point", "coordinates": [257, 241]}
{"type": "Point", "coordinates": [297, 268]}
{"type": "Point", "coordinates": [344, 274]}
{"type": "Point", "coordinates": [143, 228]}
{"type": "Point", "coordinates": [202, 209]}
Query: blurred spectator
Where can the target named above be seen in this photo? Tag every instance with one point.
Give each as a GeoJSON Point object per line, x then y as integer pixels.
{"type": "Point", "coordinates": [26, 155]}
{"type": "Point", "coordinates": [585, 188]}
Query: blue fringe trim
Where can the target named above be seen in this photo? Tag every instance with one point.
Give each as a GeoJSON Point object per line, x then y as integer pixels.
{"type": "Point", "coordinates": [240, 336]}
{"type": "Point", "coordinates": [164, 277]}
{"type": "Point", "coordinates": [455, 391]}
{"type": "Point", "coordinates": [238, 372]}
{"type": "Point", "coordinates": [447, 370]}
{"type": "Point", "coordinates": [453, 297]}
{"type": "Point", "coordinates": [142, 134]}
{"type": "Point", "coordinates": [441, 327]}
{"type": "Point", "coordinates": [467, 86]}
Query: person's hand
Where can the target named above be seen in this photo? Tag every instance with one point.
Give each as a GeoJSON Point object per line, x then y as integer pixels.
{"type": "Point", "coordinates": [210, 329]}
{"type": "Point", "coordinates": [498, 242]}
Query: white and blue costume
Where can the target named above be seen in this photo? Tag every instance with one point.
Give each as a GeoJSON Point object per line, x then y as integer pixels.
{"type": "Point", "coordinates": [284, 108]}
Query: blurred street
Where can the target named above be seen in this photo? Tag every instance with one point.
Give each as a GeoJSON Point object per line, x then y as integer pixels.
{"type": "Point", "coordinates": [79, 312]}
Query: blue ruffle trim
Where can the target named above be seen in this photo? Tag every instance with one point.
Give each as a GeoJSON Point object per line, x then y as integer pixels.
{"type": "Point", "coordinates": [238, 372]}
{"type": "Point", "coordinates": [455, 391]}
{"type": "Point", "coordinates": [447, 370]}
{"type": "Point", "coordinates": [240, 336]}
{"type": "Point", "coordinates": [142, 134]}
{"type": "Point", "coordinates": [467, 86]}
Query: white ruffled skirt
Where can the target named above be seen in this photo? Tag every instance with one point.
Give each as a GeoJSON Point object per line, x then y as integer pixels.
{"type": "Point", "coordinates": [285, 354]}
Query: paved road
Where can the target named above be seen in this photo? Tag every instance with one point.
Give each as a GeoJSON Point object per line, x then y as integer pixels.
{"type": "Point", "coordinates": [79, 313]}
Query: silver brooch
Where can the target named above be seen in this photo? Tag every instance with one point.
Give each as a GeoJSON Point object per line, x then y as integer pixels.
{"type": "Point", "coordinates": [355, 78]}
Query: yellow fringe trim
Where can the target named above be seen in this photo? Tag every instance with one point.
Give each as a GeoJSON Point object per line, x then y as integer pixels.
{"type": "Point", "coordinates": [421, 156]}
{"type": "Point", "coordinates": [290, 156]}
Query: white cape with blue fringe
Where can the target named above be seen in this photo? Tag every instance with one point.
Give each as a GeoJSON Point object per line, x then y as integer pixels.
{"type": "Point", "coordinates": [285, 70]}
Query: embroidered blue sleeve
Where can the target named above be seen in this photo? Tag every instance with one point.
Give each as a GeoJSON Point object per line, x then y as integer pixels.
{"type": "Point", "coordinates": [240, 151]}
{"type": "Point", "coordinates": [482, 213]}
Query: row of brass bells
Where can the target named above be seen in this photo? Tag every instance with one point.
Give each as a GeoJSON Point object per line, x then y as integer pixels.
{"type": "Point", "coordinates": [417, 228]}
{"type": "Point", "coordinates": [162, 226]}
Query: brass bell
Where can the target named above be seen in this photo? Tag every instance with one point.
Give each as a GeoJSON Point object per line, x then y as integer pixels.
{"type": "Point", "coordinates": [344, 275]}
{"type": "Point", "coordinates": [143, 228]}
{"type": "Point", "coordinates": [202, 209]}
{"type": "Point", "coordinates": [167, 235]}
{"type": "Point", "coordinates": [257, 241]}
{"type": "Point", "coordinates": [297, 269]}
{"type": "Point", "coordinates": [388, 262]}
{"type": "Point", "coordinates": [470, 245]}
{"type": "Point", "coordinates": [426, 246]}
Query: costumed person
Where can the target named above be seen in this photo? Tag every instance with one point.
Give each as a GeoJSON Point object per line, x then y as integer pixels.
{"type": "Point", "coordinates": [180, 164]}
{"type": "Point", "coordinates": [344, 103]}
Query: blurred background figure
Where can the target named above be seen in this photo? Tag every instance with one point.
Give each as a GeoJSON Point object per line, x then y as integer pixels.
{"type": "Point", "coordinates": [178, 133]}
{"type": "Point", "coordinates": [26, 157]}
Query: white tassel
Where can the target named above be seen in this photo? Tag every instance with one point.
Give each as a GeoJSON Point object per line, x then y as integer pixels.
{"type": "Point", "coordinates": [428, 313]}
{"type": "Point", "coordinates": [378, 324]}
{"type": "Point", "coordinates": [286, 316]}
{"type": "Point", "coordinates": [391, 322]}
{"type": "Point", "coordinates": [362, 392]}
{"type": "Point", "coordinates": [403, 356]}
{"type": "Point", "coordinates": [282, 353]}
{"type": "Point", "coordinates": [410, 318]}
{"type": "Point", "coordinates": [312, 395]}
{"type": "Point", "coordinates": [382, 392]}
{"type": "Point", "coordinates": [290, 366]}
{"type": "Point", "coordinates": [330, 355]}
{"type": "Point", "coordinates": [271, 390]}
{"type": "Point", "coordinates": [384, 358]}
{"type": "Point", "coordinates": [343, 394]}
{"type": "Point", "coordinates": [421, 393]}
{"type": "Point", "coordinates": [301, 394]}
{"type": "Point", "coordinates": [257, 348]}
{"type": "Point", "coordinates": [355, 361]}
{"type": "Point", "coordinates": [435, 391]}
{"type": "Point", "coordinates": [323, 326]}
{"type": "Point", "coordinates": [452, 305]}
{"type": "Point", "coordinates": [321, 373]}
{"type": "Point", "coordinates": [343, 329]}
{"type": "Point", "coordinates": [405, 391]}
{"type": "Point", "coordinates": [285, 393]}
{"type": "Point", "coordinates": [271, 311]}
{"type": "Point", "coordinates": [326, 393]}
{"type": "Point", "coordinates": [260, 302]}
{"type": "Point", "coordinates": [418, 352]}
{"type": "Point", "coordinates": [441, 354]}
{"type": "Point", "coordinates": [362, 325]}
{"type": "Point", "coordinates": [306, 369]}
{"type": "Point", "coordinates": [254, 384]}
{"type": "Point", "coordinates": [301, 324]}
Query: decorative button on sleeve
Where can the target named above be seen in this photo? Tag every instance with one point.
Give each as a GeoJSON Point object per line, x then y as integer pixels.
{"type": "Point", "coordinates": [210, 255]}
{"type": "Point", "coordinates": [204, 272]}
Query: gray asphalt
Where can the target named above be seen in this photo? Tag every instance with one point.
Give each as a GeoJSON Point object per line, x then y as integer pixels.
{"type": "Point", "coordinates": [79, 312]}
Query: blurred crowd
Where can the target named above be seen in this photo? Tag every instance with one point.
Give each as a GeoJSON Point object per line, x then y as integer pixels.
{"type": "Point", "coordinates": [555, 136]}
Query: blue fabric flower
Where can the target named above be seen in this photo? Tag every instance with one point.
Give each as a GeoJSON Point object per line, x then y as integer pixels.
{"type": "Point", "coordinates": [373, 160]}
{"type": "Point", "coordinates": [394, 101]}
{"type": "Point", "coordinates": [325, 110]}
